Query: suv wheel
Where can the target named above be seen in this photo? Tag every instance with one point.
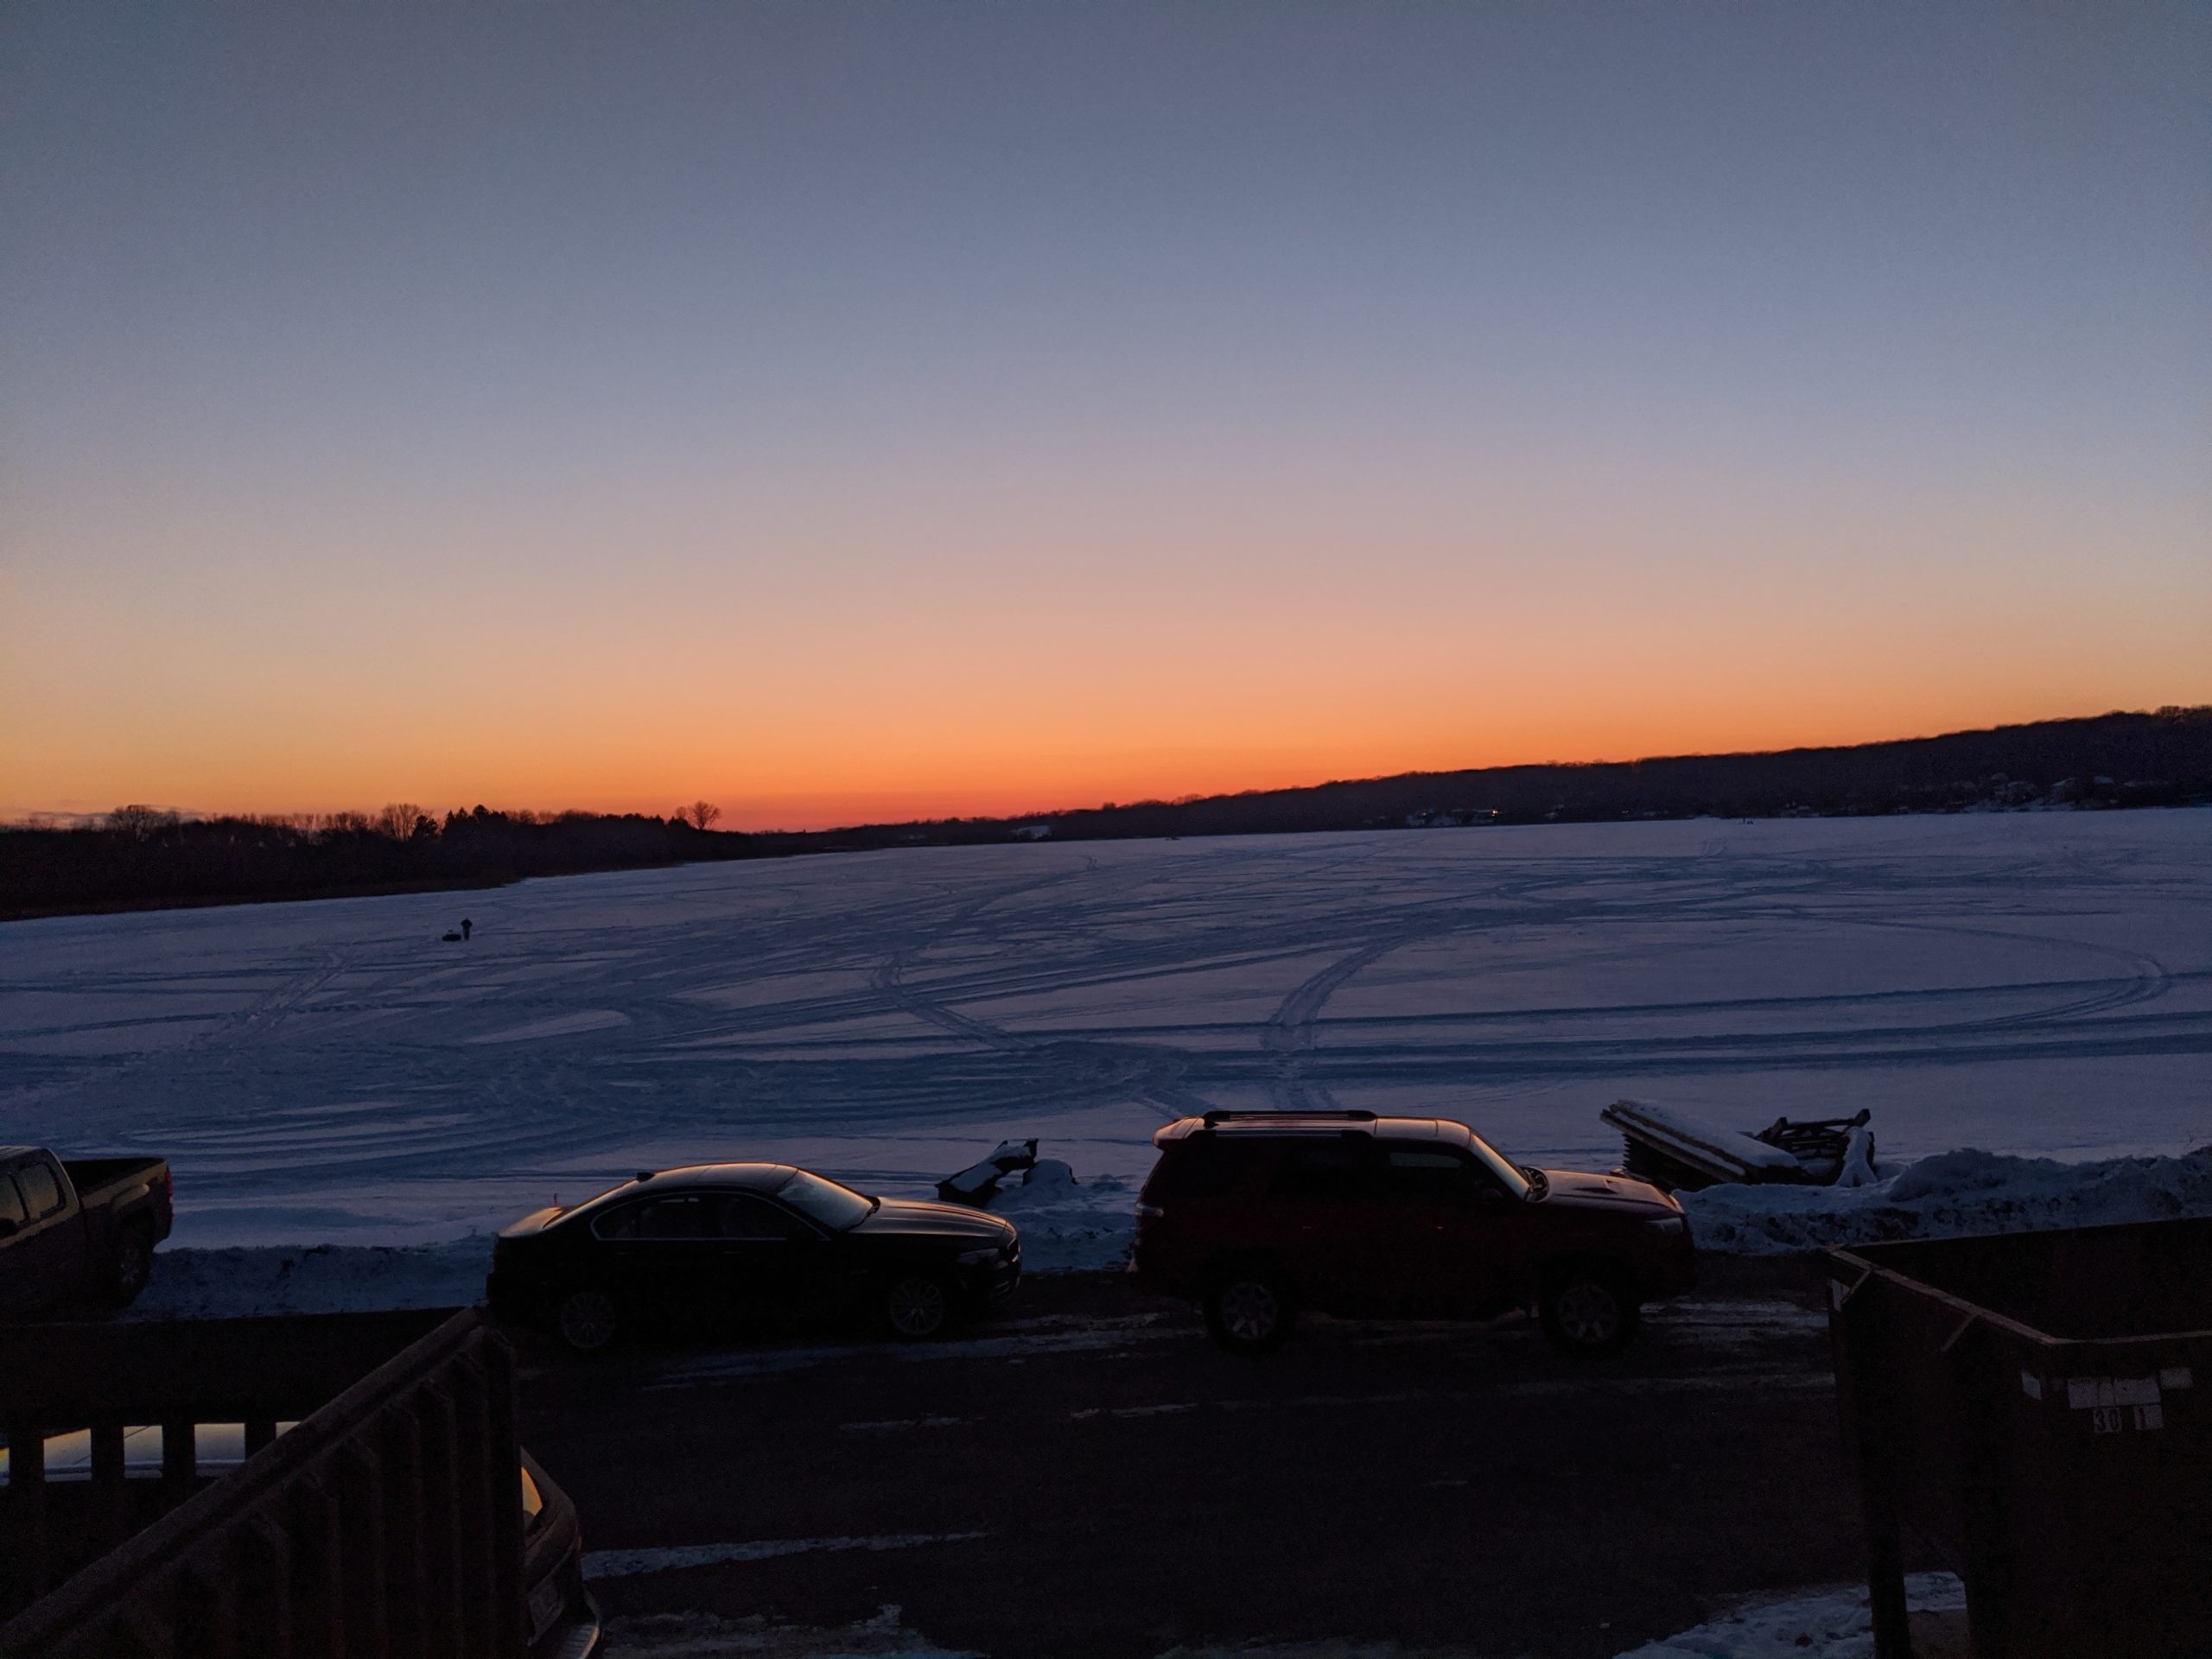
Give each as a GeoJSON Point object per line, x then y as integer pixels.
{"type": "Point", "coordinates": [1588, 1310]}
{"type": "Point", "coordinates": [587, 1320]}
{"type": "Point", "coordinates": [917, 1308]}
{"type": "Point", "coordinates": [1248, 1311]}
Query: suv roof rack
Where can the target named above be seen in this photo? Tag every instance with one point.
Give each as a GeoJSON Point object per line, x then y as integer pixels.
{"type": "Point", "coordinates": [1212, 1118]}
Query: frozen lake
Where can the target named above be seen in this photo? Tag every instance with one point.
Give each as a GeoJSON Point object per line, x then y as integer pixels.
{"type": "Point", "coordinates": [332, 1071]}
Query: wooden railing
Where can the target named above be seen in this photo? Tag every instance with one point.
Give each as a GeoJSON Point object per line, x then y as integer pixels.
{"type": "Point", "coordinates": [388, 1523]}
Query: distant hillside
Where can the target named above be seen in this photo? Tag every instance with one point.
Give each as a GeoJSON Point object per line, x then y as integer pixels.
{"type": "Point", "coordinates": [2109, 761]}
{"type": "Point", "coordinates": [141, 859]}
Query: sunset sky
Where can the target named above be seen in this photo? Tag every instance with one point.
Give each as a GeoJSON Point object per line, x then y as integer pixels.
{"type": "Point", "coordinates": [848, 411]}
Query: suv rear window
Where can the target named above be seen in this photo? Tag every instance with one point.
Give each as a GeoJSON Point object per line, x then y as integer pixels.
{"type": "Point", "coordinates": [1199, 1168]}
{"type": "Point", "coordinates": [1335, 1168]}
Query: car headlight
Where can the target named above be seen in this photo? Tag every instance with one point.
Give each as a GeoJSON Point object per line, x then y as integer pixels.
{"type": "Point", "coordinates": [977, 1258]}
{"type": "Point", "coordinates": [1668, 1225]}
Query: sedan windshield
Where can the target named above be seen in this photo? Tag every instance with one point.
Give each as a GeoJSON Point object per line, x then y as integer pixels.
{"type": "Point", "coordinates": [835, 1207]}
{"type": "Point", "coordinates": [1513, 1182]}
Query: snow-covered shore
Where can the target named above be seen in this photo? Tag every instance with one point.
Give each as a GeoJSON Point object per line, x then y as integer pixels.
{"type": "Point", "coordinates": [1948, 1195]}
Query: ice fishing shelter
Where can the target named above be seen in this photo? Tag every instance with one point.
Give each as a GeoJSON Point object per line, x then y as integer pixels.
{"type": "Point", "coordinates": [2039, 1407]}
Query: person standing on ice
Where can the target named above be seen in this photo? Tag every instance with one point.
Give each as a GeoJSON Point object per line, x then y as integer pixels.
{"type": "Point", "coordinates": [467, 927]}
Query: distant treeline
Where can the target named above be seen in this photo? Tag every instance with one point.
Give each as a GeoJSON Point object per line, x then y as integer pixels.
{"type": "Point", "coordinates": [139, 857]}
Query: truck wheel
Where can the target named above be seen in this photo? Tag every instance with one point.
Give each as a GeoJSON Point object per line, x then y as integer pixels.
{"type": "Point", "coordinates": [132, 1266]}
{"type": "Point", "coordinates": [1248, 1311]}
{"type": "Point", "coordinates": [916, 1308]}
{"type": "Point", "coordinates": [1589, 1311]}
{"type": "Point", "coordinates": [587, 1320]}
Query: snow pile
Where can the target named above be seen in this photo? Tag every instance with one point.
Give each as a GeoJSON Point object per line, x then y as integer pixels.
{"type": "Point", "coordinates": [1950, 1194]}
{"type": "Point", "coordinates": [247, 1282]}
{"type": "Point", "coordinates": [1067, 1226]}
{"type": "Point", "coordinates": [1827, 1625]}
{"type": "Point", "coordinates": [1858, 1168]}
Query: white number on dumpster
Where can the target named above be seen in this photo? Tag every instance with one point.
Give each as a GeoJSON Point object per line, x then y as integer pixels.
{"type": "Point", "coordinates": [2105, 1420]}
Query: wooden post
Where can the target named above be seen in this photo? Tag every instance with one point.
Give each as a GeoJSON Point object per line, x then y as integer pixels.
{"type": "Point", "coordinates": [265, 1565]}
{"type": "Point", "coordinates": [363, 1547]}
{"type": "Point", "coordinates": [318, 1570]}
{"type": "Point", "coordinates": [179, 1461]}
{"type": "Point", "coordinates": [1855, 1325]}
{"type": "Point", "coordinates": [472, 1504]}
{"type": "Point", "coordinates": [27, 1502]}
{"type": "Point", "coordinates": [208, 1603]}
{"type": "Point", "coordinates": [111, 1496]}
{"type": "Point", "coordinates": [442, 1568]}
{"type": "Point", "coordinates": [507, 1594]}
{"type": "Point", "coordinates": [1977, 1404]}
{"type": "Point", "coordinates": [399, 1478]}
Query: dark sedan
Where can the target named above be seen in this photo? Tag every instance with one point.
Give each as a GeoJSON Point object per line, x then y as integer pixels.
{"type": "Point", "coordinates": [723, 1245]}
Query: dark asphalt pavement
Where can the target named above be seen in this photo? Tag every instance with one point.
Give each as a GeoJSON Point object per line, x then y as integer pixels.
{"type": "Point", "coordinates": [1087, 1475]}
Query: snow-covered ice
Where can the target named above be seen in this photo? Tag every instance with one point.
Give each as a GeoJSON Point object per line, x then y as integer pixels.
{"type": "Point", "coordinates": [333, 1072]}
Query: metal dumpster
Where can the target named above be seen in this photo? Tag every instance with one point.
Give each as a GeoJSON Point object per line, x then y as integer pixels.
{"type": "Point", "coordinates": [2039, 1407]}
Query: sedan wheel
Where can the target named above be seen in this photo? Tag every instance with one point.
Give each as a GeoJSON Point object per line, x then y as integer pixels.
{"type": "Point", "coordinates": [1589, 1314]}
{"type": "Point", "coordinates": [917, 1307]}
{"type": "Point", "coordinates": [588, 1320]}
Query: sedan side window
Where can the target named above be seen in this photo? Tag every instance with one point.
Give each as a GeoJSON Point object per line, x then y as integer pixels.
{"type": "Point", "coordinates": [744, 1216]}
{"type": "Point", "coordinates": [690, 1217]}
{"type": "Point", "coordinates": [11, 1206]}
{"type": "Point", "coordinates": [619, 1224]}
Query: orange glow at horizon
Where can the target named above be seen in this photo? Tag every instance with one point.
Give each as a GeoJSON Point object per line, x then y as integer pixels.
{"type": "Point", "coordinates": [806, 676]}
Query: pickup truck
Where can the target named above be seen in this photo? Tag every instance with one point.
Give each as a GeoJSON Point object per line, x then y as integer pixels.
{"type": "Point", "coordinates": [83, 1229]}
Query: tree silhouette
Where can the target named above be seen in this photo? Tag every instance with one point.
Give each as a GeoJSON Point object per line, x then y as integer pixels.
{"type": "Point", "coordinates": [699, 815]}
{"type": "Point", "coordinates": [397, 820]}
{"type": "Point", "coordinates": [141, 820]}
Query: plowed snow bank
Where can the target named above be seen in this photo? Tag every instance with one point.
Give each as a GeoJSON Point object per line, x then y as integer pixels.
{"type": "Point", "coordinates": [1950, 1194]}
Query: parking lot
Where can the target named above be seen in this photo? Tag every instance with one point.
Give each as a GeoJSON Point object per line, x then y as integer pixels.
{"type": "Point", "coordinates": [1087, 1475]}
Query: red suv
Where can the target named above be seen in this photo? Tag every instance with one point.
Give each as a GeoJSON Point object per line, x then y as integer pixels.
{"type": "Point", "coordinates": [1258, 1214]}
